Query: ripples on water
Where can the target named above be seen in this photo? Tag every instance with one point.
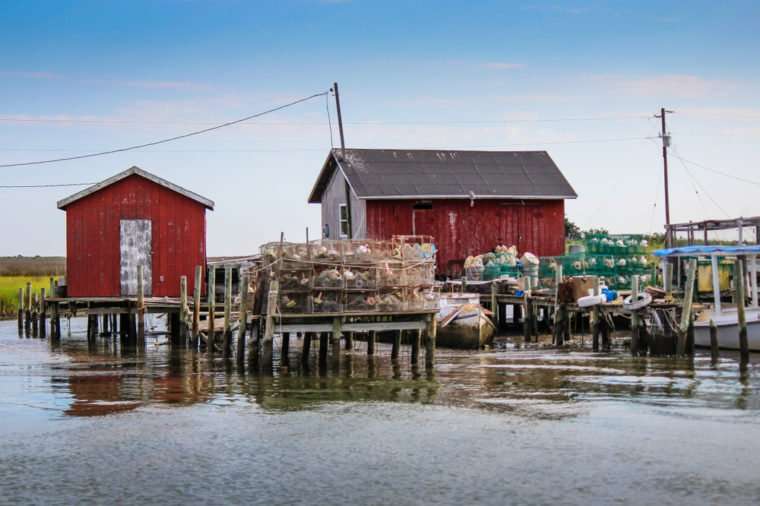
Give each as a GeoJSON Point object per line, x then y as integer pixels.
{"type": "Point", "coordinates": [499, 419]}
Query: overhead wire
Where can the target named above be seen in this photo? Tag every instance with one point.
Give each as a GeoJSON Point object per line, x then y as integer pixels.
{"type": "Point", "coordinates": [697, 183]}
{"type": "Point", "coordinates": [716, 171]}
{"type": "Point", "coordinates": [52, 185]}
{"type": "Point", "coordinates": [170, 139]}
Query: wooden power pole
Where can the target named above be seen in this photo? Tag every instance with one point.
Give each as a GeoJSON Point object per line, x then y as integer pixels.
{"type": "Point", "coordinates": [342, 153]}
{"type": "Point", "coordinates": [665, 144]}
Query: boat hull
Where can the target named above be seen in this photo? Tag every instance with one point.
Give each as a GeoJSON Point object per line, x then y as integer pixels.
{"type": "Point", "coordinates": [728, 330]}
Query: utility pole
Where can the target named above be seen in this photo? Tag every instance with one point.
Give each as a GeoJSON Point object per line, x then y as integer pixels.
{"type": "Point", "coordinates": [665, 144]}
{"type": "Point", "coordinates": [350, 231]}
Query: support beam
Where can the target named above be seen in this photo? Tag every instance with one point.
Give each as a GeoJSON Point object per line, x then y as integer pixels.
{"type": "Point", "coordinates": [197, 306]}
{"type": "Point", "coordinates": [211, 294]}
{"type": "Point", "coordinates": [687, 305]}
{"type": "Point", "coordinates": [227, 338]}
{"type": "Point", "coordinates": [140, 305]}
{"type": "Point", "coordinates": [242, 318]}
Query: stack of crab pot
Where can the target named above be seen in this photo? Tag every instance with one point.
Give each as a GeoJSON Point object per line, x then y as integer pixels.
{"type": "Point", "coordinates": [354, 276]}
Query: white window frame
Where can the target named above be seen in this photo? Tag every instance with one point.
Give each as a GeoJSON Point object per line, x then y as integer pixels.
{"type": "Point", "coordinates": [342, 220]}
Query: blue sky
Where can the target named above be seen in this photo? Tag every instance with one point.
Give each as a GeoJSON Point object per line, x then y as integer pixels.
{"type": "Point", "coordinates": [579, 79]}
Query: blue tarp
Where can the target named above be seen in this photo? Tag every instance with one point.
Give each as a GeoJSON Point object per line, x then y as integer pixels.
{"type": "Point", "coordinates": [702, 249]}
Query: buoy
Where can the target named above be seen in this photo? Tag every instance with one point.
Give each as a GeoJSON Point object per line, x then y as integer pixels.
{"type": "Point", "coordinates": [642, 301]}
{"type": "Point", "coordinates": [592, 300]}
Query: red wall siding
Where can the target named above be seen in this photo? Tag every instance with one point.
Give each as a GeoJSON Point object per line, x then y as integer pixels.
{"type": "Point", "coordinates": [178, 241]}
{"type": "Point", "coordinates": [460, 230]}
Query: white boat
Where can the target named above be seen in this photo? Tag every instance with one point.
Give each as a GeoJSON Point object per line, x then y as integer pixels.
{"type": "Point", "coordinates": [728, 328]}
{"type": "Point", "coordinates": [463, 322]}
{"type": "Point", "coordinates": [726, 319]}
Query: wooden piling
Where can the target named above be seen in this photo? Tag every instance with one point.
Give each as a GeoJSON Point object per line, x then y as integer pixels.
{"type": "Point", "coordinates": [306, 350]}
{"type": "Point", "coordinates": [210, 318]}
{"type": "Point", "coordinates": [322, 349]}
{"type": "Point", "coordinates": [28, 309]}
{"type": "Point", "coordinates": [416, 341]}
{"type": "Point", "coordinates": [242, 319]}
{"type": "Point", "coordinates": [635, 319]}
{"type": "Point", "coordinates": [20, 312]}
{"type": "Point", "coordinates": [714, 347]}
{"type": "Point", "coordinates": [349, 338]}
{"type": "Point", "coordinates": [182, 331]}
{"type": "Point", "coordinates": [43, 313]}
{"type": "Point", "coordinates": [197, 305]}
{"type": "Point", "coordinates": [35, 317]}
{"type": "Point", "coordinates": [140, 304]}
{"type": "Point", "coordinates": [285, 350]}
{"type": "Point", "coordinates": [227, 337]}
{"type": "Point", "coordinates": [396, 347]}
{"type": "Point", "coordinates": [371, 338]}
{"type": "Point", "coordinates": [595, 317]}
{"type": "Point", "coordinates": [740, 301]}
{"type": "Point", "coordinates": [55, 325]}
{"type": "Point", "coordinates": [430, 334]}
{"type": "Point", "coordinates": [687, 305]}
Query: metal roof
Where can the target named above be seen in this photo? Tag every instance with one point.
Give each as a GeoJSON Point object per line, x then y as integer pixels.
{"type": "Point", "coordinates": [134, 170]}
{"type": "Point", "coordinates": [418, 173]}
{"type": "Point", "coordinates": [703, 249]}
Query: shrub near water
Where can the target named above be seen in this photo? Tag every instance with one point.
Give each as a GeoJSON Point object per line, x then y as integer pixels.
{"type": "Point", "coordinates": [15, 272]}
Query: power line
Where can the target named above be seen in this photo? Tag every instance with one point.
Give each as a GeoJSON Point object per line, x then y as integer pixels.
{"type": "Point", "coordinates": [170, 139]}
{"type": "Point", "coordinates": [696, 182]}
{"type": "Point", "coordinates": [100, 121]}
{"type": "Point", "coordinates": [54, 185]}
{"type": "Point", "coordinates": [727, 174]}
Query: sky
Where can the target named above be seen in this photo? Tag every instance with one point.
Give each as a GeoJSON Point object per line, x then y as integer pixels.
{"type": "Point", "coordinates": [579, 79]}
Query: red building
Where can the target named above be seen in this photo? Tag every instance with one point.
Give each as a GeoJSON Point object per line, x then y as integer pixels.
{"type": "Point", "coordinates": [133, 218]}
{"type": "Point", "coordinates": [469, 201]}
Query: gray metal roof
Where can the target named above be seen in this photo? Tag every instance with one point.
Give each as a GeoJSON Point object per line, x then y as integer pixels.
{"type": "Point", "coordinates": [134, 170]}
{"type": "Point", "coordinates": [417, 173]}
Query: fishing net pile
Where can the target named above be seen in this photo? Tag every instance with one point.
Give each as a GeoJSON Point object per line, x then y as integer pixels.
{"type": "Point", "coordinates": [337, 276]}
{"type": "Point", "coordinates": [502, 262]}
{"type": "Point", "coordinates": [616, 258]}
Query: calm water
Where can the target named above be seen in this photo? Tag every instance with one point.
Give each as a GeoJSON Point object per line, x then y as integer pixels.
{"type": "Point", "coordinates": [502, 427]}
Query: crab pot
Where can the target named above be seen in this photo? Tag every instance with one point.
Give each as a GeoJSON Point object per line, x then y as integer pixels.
{"type": "Point", "coordinates": [422, 274]}
{"type": "Point", "coordinates": [330, 301]}
{"type": "Point", "coordinates": [366, 252]}
{"type": "Point", "coordinates": [328, 251]}
{"type": "Point", "coordinates": [360, 278]}
{"type": "Point", "coordinates": [362, 301]}
{"type": "Point", "coordinates": [390, 274]}
{"type": "Point", "coordinates": [392, 299]}
{"type": "Point", "coordinates": [328, 277]}
{"type": "Point", "coordinates": [295, 278]}
{"type": "Point", "coordinates": [294, 302]}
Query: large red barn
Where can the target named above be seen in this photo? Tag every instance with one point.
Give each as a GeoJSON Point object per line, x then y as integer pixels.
{"type": "Point", "coordinates": [133, 218]}
{"type": "Point", "coordinates": [469, 201]}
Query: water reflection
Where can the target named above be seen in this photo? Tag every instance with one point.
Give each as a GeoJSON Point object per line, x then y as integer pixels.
{"type": "Point", "coordinates": [104, 379]}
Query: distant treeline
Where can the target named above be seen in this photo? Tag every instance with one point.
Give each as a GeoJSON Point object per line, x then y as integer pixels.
{"type": "Point", "coordinates": [32, 266]}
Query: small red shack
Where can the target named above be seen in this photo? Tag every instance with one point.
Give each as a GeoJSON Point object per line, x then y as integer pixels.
{"type": "Point", "coordinates": [133, 218]}
{"type": "Point", "coordinates": [469, 201]}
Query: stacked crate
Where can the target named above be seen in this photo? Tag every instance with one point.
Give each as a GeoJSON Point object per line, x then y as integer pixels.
{"type": "Point", "coordinates": [353, 276]}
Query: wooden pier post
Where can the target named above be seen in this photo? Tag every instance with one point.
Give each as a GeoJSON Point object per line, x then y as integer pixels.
{"type": "Point", "coordinates": [285, 350]}
{"type": "Point", "coordinates": [197, 305]}
{"type": "Point", "coordinates": [227, 337]}
{"type": "Point", "coordinates": [210, 318]}
{"type": "Point", "coordinates": [55, 325]}
{"type": "Point", "coordinates": [124, 329]}
{"type": "Point", "coordinates": [104, 328]}
{"type": "Point", "coordinates": [635, 319]}
{"type": "Point", "coordinates": [335, 340]}
{"type": "Point", "coordinates": [714, 348]}
{"type": "Point", "coordinates": [43, 313]}
{"type": "Point", "coordinates": [430, 333]}
{"type": "Point", "coordinates": [182, 331]}
{"type": "Point", "coordinates": [306, 350]}
{"type": "Point", "coordinates": [739, 281]}
{"type": "Point", "coordinates": [349, 338]}
{"type": "Point", "coordinates": [687, 305]}
{"type": "Point", "coordinates": [35, 315]}
{"type": "Point", "coordinates": [242, 319]}
{"type": "Point", "coordinates": [595, 317]}
{"type": "Point", "coordinates": [322, 349]}
{"type": "Point", "coordinates": [416, 341]}
{"type": "Point", "coordinates": [140, 305]}
{"type": "Point", "coordinates": [28, 309]}
{"type": "Point", "coordinates": [371, 338]}
{"type": "Point", "coordinates": [494, 305]}
{"type": "Point", "coordinates": [396, 347]}
{"type": "Point", "coordinates": [20, 312]}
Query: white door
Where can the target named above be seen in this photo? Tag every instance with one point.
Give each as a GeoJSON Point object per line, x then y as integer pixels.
{"type": "Point", "coordinates": [134, 243]}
